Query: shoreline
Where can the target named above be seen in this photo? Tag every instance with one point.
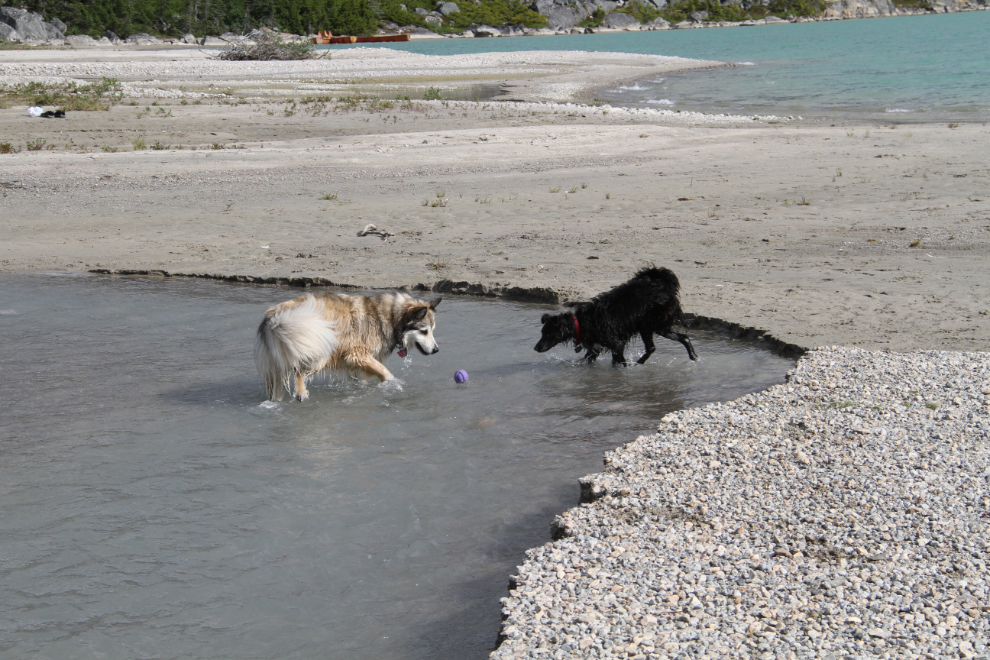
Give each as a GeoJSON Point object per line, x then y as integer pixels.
{"type": "Point", "coordinates": [872, 237]}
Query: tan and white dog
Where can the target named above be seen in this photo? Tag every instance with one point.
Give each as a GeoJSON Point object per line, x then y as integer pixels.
{"type": "Point", "coordinates": [349, 334]}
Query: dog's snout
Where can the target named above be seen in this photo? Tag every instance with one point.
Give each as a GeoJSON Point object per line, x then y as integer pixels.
{"type": "Point", "coordinates": [436, 349]}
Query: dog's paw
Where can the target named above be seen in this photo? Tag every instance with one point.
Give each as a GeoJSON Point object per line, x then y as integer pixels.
{"type": "Point", "coordinates": [302, 397]}
{"type": "Point", "coordinates": [391, 385]}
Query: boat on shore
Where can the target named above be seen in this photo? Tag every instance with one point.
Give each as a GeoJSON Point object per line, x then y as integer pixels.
{"type": "Point", "coordinates": [328, 38]}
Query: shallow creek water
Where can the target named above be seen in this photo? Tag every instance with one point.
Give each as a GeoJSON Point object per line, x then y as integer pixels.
{"type": "Point", "coordinates": [153, 506]}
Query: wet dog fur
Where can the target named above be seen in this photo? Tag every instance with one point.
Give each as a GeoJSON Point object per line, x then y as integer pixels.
{"type": "Point", "coordinates": [647, 304]}
{"type": "Point", "coordinates": [349, 334]}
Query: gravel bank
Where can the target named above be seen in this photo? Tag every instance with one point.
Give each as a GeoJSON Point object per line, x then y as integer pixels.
{"type": "Point", "coordinates": [843, 514]}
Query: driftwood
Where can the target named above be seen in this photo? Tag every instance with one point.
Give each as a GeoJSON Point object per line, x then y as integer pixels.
{"type": "Point", "coordinates": [372, 230]}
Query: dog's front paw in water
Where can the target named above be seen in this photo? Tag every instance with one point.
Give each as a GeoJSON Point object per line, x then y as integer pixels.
{"type": "Point", "coordinates": [302, 397]}
{"type": "Point", "coordinates": [391, 385]}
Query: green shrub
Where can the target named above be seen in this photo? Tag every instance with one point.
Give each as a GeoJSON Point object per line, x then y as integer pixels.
{"type": "Point", "coordinates": [594, 19]}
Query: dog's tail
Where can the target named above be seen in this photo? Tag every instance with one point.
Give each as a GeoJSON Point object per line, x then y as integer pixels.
{"type": "Point", "coordinates": [661, 276]}
{"type": "Point", "coordinates": [292, 339]}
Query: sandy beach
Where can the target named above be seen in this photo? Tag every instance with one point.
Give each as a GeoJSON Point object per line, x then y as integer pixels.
{"type": "Point", "coordinates": [810, 233]}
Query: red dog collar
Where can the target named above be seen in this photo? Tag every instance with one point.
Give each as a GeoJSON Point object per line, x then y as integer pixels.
{"type": "Point", "coordinates": [577, 330]}
{"type": "Point", "coordinates": [402, 352]}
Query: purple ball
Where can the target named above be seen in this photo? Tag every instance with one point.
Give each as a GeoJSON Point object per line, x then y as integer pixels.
{"type": "Point", "coordinates": [461, 376]}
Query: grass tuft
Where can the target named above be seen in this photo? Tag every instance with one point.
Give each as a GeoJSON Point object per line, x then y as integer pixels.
{"type": "Point", "coordinates": [100, 95]}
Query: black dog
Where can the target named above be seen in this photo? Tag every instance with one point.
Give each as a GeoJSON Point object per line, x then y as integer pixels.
{"type": "Point", "coordinates": [647, 304]}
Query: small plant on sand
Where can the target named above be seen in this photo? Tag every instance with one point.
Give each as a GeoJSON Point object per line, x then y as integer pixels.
{"type": "Point", "coordinates": [108, 149]}
{"type": "Point", "coordinates": [433, 94]}
{"type": "Point", "coordinates": [608, 195]}
{"type": "Point", "coordinates": [804, 202]}
{"type": "Point", "coordinates": [573, 190]}
{"type": "Point", "coordinates": [436, 264]}
{"type": "Point", "coordinates": [440, 202]}
{"type": "Point", "coordinates": [329, 196]}
{"type": "Point", "coordinates": [916, 242]}
{"type": "Point", "coordinates": [218, 146]}
{"type": "Point", "coordinates": [270, 47]}
{"type": "Point", "coordinates": [36, 145]}
{"type": "Point", "coordinates": [138, 144]}
{"type": "Point", "coordinates": [583, 186]}
{"type": "Point", "coordinates": [555, 189]}
{"type": "Point", "coordinates": [158, 146]}
{"type": "Point", "coordinates": [7, 148]}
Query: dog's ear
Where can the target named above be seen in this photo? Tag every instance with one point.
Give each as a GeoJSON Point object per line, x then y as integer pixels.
{"type": "Point", "coordinates": [416, 314]}
{"type": "Point", "coordinates": [545, 318]}
{"type": "Point", "coordinates": [434, 303]}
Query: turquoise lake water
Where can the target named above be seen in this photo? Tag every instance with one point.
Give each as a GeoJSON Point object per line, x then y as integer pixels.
{"type": "Point", "coordinates": [905, 69]}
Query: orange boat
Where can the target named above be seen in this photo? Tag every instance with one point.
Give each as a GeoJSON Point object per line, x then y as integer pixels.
{"type": "Point", "coordinates": [327, 37]}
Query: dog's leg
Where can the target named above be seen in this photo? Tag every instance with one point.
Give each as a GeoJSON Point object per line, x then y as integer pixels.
{"type": "Point", "coordinates": [619, 356]}
{"type": "Point", "coordinates": [685, 340]}
{"type": "Point", "coordinates": [301, 392]}
{"type": "Point", "coordinates": [592, 355]}
{"type": "Point", "coordinates": [368, 367]}
{"type": "Point", "coordinates": [647, 336]}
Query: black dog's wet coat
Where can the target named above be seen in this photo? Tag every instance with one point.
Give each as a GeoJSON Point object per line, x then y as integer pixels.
{"type": "Point", "coordinates": [647, 304]}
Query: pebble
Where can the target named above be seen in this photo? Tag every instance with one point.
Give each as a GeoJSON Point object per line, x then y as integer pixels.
{"type": "Point", "coordinates": [845, 513]}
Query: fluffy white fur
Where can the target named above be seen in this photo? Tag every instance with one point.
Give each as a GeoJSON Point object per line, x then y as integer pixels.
{"type": "Point", "coordinates": [297, 339]}
{"type": "Point", "coordinates": [333, 332]}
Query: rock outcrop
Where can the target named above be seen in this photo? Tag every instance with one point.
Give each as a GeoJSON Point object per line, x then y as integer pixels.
{"type": "Point", "coordinates": [621, 21]}
{"type": "Point", "coordinates": [28, 27]}
{"type": "Point", "coordinates": [859, 9]}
